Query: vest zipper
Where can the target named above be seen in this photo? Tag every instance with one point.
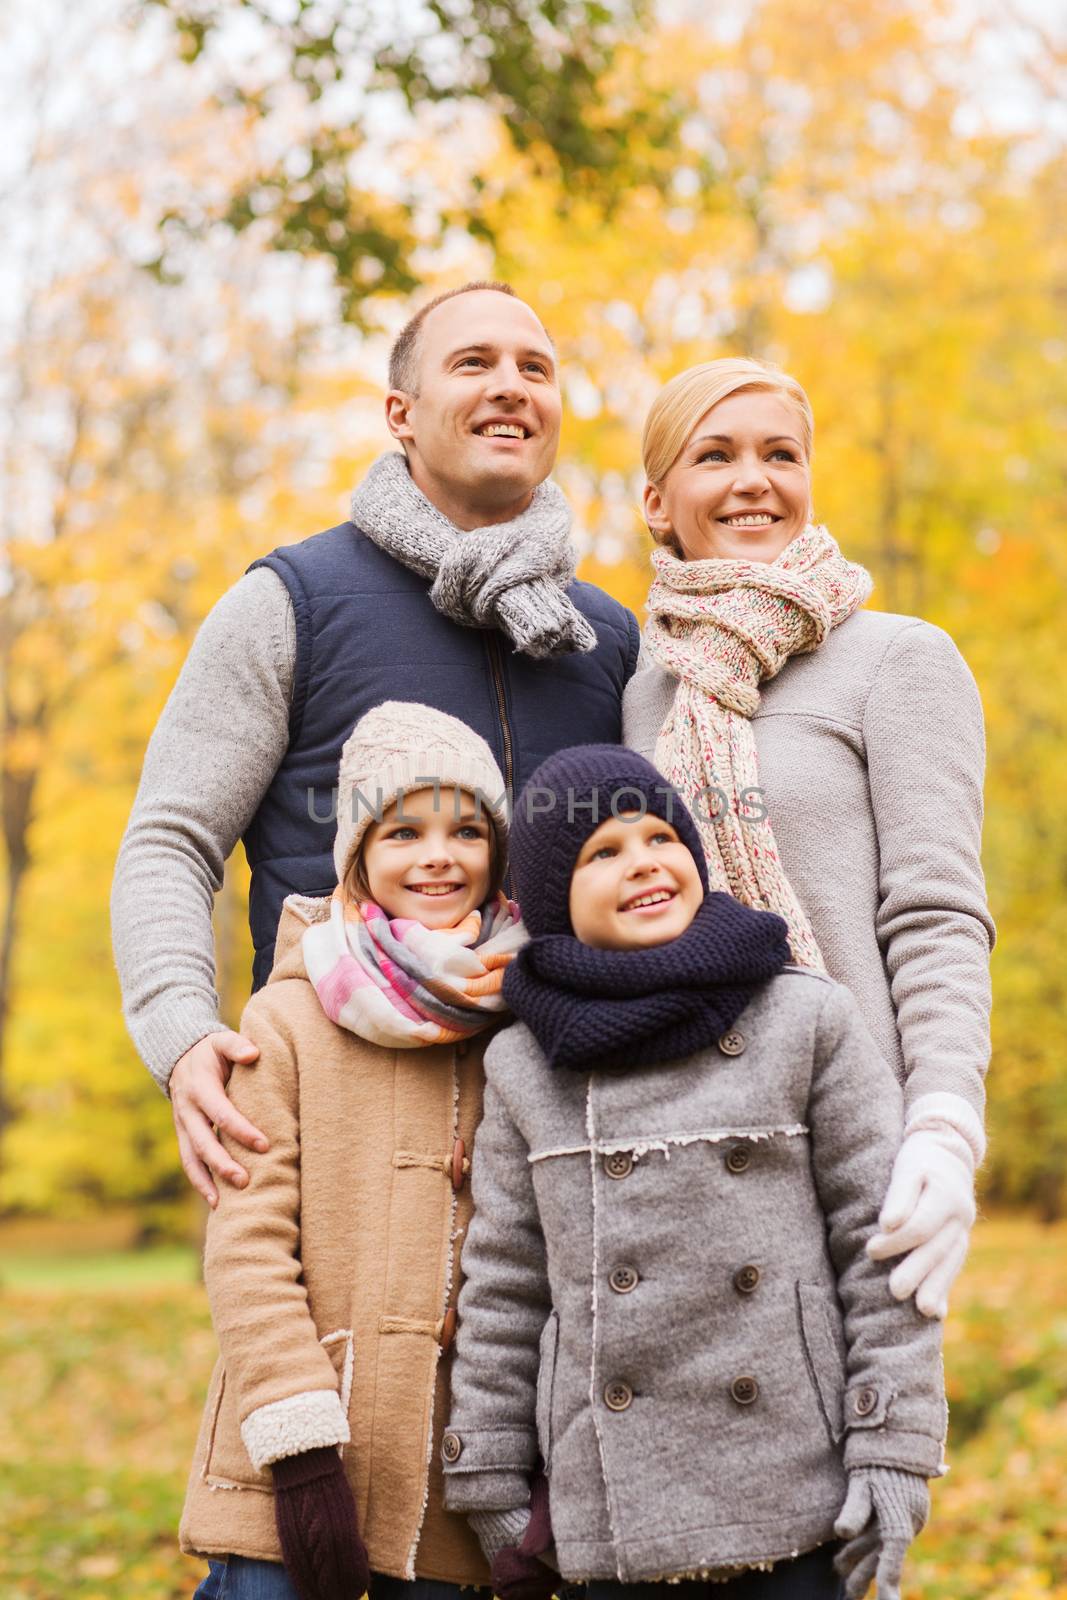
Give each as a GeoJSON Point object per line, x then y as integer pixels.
{"type": "Point", "coordinates": [496, 664]}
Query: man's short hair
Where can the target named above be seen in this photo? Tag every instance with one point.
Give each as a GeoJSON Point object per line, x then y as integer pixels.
{"type": "Point", "coordinates": [404, 356]}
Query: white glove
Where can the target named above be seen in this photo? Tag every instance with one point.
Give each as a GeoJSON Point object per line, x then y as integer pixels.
{"type": "Point", "coordinates": [929, 1208]}
{"type": "Point", "coordinates": [884, 1510]}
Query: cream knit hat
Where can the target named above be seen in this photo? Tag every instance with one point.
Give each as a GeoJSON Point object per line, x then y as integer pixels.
{"type": "Point", "coordinates": [399, 747]}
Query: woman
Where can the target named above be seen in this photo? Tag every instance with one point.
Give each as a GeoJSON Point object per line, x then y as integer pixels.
{"type": "Point", "coordinates": [834, 758]}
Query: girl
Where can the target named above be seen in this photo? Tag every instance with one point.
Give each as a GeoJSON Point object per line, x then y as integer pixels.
{"type": "Point", "coordinates": [668, 1296]}
{"type": "Point", "coordinates": [333, 1277]}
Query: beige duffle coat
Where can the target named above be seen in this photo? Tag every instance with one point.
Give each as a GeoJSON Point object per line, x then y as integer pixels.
{"type": "Point", "coordinates": [333, 1277]}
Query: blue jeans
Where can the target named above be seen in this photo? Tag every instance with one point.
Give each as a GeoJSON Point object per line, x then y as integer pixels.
{"type": "Point", "coordinates": [241, 1579]}
{"type": "Point", "coordinates": [807, 1577]}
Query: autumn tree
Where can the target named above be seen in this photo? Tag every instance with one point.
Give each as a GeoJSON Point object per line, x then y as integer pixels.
{"type": "Point", "coordinates": [839, 198]}
{"type": "Point", "coordinates": [140, 456]}
{"type": "Point", "coordinates": [314, 77]}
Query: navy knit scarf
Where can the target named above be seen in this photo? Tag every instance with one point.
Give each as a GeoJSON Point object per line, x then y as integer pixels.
{"type": "Point", "coordinates": [609, 1009]}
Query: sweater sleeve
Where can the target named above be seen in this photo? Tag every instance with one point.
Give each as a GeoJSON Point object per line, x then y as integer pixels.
{"type": "Point", "coordinates": [490, 1447]}
{"type": "Point", "coordinates": [894, 1406]}
{"type": "Point", "coordinates": [282, 1376]}
{"type": "Point", "coordinates": [218, 743]}
{"type": "Point", "coordinates": [925, 744]}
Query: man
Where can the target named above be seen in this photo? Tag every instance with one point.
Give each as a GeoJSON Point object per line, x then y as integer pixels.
{"type": "Point", "coordinates": [451, 585]}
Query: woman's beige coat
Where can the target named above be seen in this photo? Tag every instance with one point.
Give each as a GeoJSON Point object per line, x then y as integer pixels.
{"type": "Point", "coordinates": [332, 1279]}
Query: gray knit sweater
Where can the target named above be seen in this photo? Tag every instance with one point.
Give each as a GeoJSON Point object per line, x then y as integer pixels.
{"type": "Point", "coordinates": [871, 757]}
{"type": "Point", "coordinates": [217, 745]}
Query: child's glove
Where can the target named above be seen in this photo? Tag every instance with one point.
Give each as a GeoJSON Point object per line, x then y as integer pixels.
{"type": "Point", "coordinates": [884, 1509]}
{"type": "Point", "coordinates": [316, 1519]}
{"type": "Point", "coordinates": [517, 1545]}
{"type": "Point", "coordinates": [929, 1208]}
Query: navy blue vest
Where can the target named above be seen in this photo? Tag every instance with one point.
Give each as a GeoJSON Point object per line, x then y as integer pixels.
{"type": "Point", "coordinates": [366, 631]}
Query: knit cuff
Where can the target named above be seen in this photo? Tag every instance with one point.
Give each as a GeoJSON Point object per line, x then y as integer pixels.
{"type": "Point", "coordinates": [931, 1112]}
{"type": "Point", "coordinates": [163, 1034]}
{"type": "Point", "coordinates": [293, 1426]}
{"type": "Point", "coordinates": [498, 1529]}
{"type": "Point", "coordinates": [903, 1499]}
{"type": "Point", "coordinates": [310, 1466]}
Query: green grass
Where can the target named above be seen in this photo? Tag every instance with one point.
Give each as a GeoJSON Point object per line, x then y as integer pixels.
{"type": "Point", "coordinates": [103, 1270]}
{"type": "Point", "coordinates": [104, 1361]}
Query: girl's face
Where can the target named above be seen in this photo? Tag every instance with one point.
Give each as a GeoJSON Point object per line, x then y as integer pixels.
{"type": "Point", "coordinates": [740, 489]}
{"type": "Point", "coordinates": [634, 885]}
{"type": "Point", "coordinates": [429, 857]}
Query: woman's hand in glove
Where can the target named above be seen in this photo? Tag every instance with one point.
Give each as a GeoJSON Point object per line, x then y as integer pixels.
{"type": "Point", "coordinates": [927, 1216]}
{"type": "Point", "coordinates": [316, 1519]}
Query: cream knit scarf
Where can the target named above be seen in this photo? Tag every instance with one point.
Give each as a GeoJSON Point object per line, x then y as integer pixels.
{"type": "Point", "coordinates": [721, 628]}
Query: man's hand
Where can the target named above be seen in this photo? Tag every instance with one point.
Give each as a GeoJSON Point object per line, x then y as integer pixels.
{"type": "Point", "coordinates": [198, 1100]}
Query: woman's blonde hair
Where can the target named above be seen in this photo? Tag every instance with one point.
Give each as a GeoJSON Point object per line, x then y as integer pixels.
{"type": "Point", "coordinates": [682, 402]}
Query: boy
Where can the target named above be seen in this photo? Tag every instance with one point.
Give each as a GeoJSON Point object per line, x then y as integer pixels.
{"type": "Point", "coordinates": [668, 1297]}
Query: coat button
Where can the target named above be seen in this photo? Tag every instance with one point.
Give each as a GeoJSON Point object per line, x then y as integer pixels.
{"type": "Point", "coordinates": [459, 1165]}
{"type": "Point", "coordinates": [448, 1329]}
{"type": "Point", "coordinates": [865, 1402]}
{"type": "Point", "coordinates": [618, 1396]}
{"type": "Point", "coordinates": [746, 1279]}
{"type": "Point", "coordinates": [732, 1042]}
{"type": "Point", "coordinates": [451, 1446]}
{"type": "Point", "coordinates": [738, 1158]}
{"type": "Point", "coordinates": [619, 1164]}
{"type": "Point", "coordinates": [744, 1390]}
{"type": "Point", "coordinates": [623, 1279]}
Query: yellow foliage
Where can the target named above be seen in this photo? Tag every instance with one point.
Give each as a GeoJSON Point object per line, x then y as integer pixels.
{"type": "Point", "coordinates": [828, 206]}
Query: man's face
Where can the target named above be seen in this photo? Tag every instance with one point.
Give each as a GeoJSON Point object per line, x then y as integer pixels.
{"type": "Point", "coordinates": [483, 429]}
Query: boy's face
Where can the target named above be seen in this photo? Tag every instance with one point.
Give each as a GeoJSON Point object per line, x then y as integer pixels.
{"type": "Point", "coordinates": [429, 858]}
{"type": "Point", "coordinates": [634, 885]}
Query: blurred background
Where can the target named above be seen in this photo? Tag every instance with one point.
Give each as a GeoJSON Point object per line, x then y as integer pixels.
{"type": "Point", "coordinates": [215, 213]}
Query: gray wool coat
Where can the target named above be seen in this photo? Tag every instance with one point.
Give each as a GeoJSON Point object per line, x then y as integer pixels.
{"type": "Point", "coordinates": [667, 1295]}
{"type": "Point", "coordinates": [871, 760]}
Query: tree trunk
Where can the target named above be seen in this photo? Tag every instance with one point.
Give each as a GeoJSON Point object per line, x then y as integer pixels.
{"type": "Point", "coordinates": [16, 800]}
{"type": "Point", "coordinates": [17, 864]}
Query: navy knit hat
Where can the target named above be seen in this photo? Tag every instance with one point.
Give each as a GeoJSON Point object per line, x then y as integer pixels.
{"type": "Point", "coordinates": [566, 800]}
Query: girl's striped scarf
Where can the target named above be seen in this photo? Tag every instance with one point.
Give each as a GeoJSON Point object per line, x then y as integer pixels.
{"type": "Point", "coordinates": [401, 985]}
{"type": "Point", "coordinates": [721, 628]}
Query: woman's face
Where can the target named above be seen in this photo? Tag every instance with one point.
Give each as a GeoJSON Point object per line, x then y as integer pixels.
{"type": "Point", "coordinates": [740, 489]}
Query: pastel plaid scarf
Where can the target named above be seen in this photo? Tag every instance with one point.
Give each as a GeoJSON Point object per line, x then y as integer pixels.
{"type": "Point", "coordinates": [401, 985]}
{"type": "Point", "coordinates": [721, 628]}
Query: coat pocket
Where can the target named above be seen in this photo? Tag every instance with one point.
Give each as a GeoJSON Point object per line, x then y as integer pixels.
{"type": "Point", "coordinates": [546, 1378]}
{"type": "Point", "coordinates": [823, 1338]}
{"type": "Point", "coordinates": [340, 1346]}
{"type": "Point", "coordinates": [228, 1463]}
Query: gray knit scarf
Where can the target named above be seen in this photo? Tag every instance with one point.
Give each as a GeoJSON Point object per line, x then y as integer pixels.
{"type": "Point", "coordinates": [510, 575]}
